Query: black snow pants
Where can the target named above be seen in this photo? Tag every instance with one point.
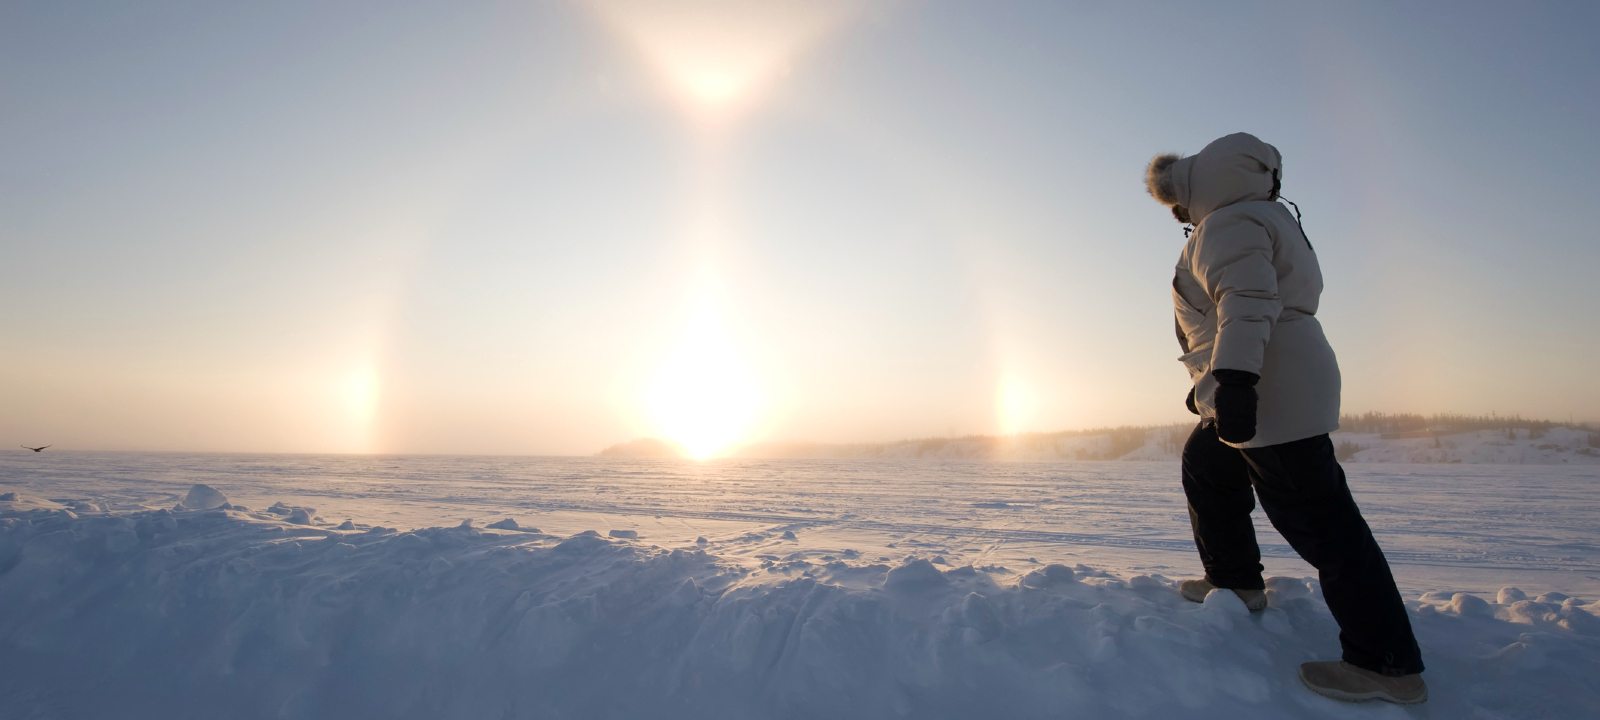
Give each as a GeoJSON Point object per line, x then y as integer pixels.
{"type": "Point", "coordinates": [1303, 491]}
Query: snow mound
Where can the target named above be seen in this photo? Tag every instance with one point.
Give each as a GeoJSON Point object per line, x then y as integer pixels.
{"type": "Point", "coordinates": [509, 524]}
{"type": "Point", "coordinates": [223, 613]}
{"type": "Point", "coordinates": [15, 501]}
{"type": "Point", "coordinates": [204, 497]}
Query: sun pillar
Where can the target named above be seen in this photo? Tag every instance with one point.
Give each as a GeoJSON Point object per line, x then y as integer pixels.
{"type": "Point", "coordinates": [714, 58]}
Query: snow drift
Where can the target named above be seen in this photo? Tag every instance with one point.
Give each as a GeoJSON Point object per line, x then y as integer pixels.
{"type": "Point", "coordinates": [226, 612]}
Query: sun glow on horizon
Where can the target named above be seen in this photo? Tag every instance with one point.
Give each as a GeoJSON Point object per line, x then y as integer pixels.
{"type": "Point", "coordinates": [704, 397]}
{"type": "Point", "coordinates": [1016, 405]}
{"type": "Point", "coordinates": [359, 391]}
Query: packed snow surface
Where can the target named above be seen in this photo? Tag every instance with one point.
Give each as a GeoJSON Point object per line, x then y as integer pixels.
{"type": "Point", "coordinates": [440, 587]}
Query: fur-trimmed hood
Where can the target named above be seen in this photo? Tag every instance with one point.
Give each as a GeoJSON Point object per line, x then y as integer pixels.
{"type": "Point", "coordinates": [1232, 169]}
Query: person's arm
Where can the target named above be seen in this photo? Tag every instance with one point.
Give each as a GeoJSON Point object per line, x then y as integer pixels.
{"type": "Point", "coordinates": [1234, 264]}
{"type": "Point", "coordinates": [1183, 342]}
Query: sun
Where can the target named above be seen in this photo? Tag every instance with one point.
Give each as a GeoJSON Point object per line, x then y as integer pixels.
{"type": "Point", "coordinates": [359, 392]}
{"type": "Point", "coordinates": [1015, 404]}
{"type": "Point", "coordinates": [704, 397]}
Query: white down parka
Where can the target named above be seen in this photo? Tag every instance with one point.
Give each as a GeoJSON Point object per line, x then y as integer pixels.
{"type": "Point", "coordinates": [1246, 290]}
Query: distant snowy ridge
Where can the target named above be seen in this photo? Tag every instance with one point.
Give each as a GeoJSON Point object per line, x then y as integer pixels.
{"type": "Point", "coordinates": [646, 448]}
{"type": "Point", "coordinates": [1513, 446]}
{"type": "Point", "coordinates": [227, 612]}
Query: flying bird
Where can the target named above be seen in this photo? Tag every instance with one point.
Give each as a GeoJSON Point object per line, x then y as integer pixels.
{"type": "Point", "coordinates": [37, 449]}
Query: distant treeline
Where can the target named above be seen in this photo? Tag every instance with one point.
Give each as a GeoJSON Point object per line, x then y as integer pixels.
{"type": "Point", "coordinates": [1129, 437]}
{"type": "Point", "coordinates": [1395, 424]}
{"type": "Point", "coordinates": [1132, 436]}
{"type": "Point", "coordinates": [1126, 439]}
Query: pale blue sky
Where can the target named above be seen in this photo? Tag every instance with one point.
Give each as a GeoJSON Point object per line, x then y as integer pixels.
{"type": "Point", "coordinates": [479, 227]}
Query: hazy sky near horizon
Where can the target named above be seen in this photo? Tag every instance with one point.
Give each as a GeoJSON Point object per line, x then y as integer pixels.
{"type": "Point", "coordinates": [548, 226]}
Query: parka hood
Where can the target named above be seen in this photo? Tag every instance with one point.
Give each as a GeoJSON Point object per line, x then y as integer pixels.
{"type": "Point", "coordinates": [1232, 169]}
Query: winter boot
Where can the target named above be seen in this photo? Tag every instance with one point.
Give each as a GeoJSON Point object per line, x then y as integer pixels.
{"type": "Point", "coordinates": [1342, 681]}
{"type": "Point", "coordinates": [1197, 590]}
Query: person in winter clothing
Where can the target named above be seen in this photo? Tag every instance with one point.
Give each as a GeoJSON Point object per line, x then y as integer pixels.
{"type": "Point", "coordinates": [1266, 386]}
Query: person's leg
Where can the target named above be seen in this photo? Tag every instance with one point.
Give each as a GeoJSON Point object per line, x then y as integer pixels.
{"type": "Point", "coordinates": [1304, 493]}
{"type": "Point", "coordinates": [1217, 483]}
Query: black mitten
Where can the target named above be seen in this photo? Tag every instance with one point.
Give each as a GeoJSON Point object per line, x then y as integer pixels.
{"type": "Point", "coordinates": [1188, 402]}
{"type": "Point", "coordinates": [1236, 404]}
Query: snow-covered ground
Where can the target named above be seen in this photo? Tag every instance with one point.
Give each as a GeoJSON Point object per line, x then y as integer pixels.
{"type": "Point", "coordinates": [746, 589]}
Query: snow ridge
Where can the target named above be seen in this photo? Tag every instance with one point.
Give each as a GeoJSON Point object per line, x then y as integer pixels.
{"type": "Point", "coordinates": [227, 612]}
